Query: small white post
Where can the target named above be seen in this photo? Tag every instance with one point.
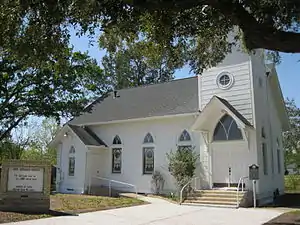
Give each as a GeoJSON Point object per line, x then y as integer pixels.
{"type": "Point", "coordinates": [254, 193]}
{"type": "Point", "coordinates": [109, 188]}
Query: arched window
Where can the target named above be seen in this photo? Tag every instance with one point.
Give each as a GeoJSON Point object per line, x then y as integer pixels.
{"type": "Point", "coordinates": [227, 129]}
{"type": "Point", "coordinates": [117, 155]}
{"type": "Point", "coordinates": [117, 140]}
{"type": "Point", "coordinates": [148, 138]}
{"type": "Point", "coordinates": [263, 133]}
{"type": "Point", "coordinates": [71, 169]}
{"type": "Point", "coordinates": [72, 150]}
{"type": "Point", "coordinates": [185, 141]}
{"type": "Point", "coordinates": [148, 154]}
{"type": "Point", "coordinates": [185, 136]}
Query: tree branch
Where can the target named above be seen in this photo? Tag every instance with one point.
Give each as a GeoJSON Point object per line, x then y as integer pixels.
{"type": "Point", "coordinates": [12, 126]}
{"type": "Point", "coordinates": [257, 35]}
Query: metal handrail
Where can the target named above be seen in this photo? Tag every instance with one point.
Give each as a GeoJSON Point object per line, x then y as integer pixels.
{"type": "Point", "coordinates": [241, 181]}
{"type": "Point", "coordinates": [182, 189]}
{"type": "Point", "coordinates": [113, 181]}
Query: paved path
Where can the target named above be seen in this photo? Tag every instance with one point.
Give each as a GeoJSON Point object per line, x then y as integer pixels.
{"type": "Point", "coordinates": [161, 212]}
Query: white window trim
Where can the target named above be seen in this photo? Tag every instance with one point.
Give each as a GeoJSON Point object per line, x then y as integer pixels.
{"type": "Point", "coordinates": [72, 155]}
{"type": "Point", "coordinates": [229, 85]}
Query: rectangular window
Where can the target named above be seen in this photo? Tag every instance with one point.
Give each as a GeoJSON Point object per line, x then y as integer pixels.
{"type": "Point", "coordinates": [148, 160]}
{"type": "Point", "coordinates": [185, 148]}
{"type": "Point", "coordinates": [116, 160]}
{"type": "Point", "coordinates": [71, 166]}
{"type": "Point", "coordinates": [278, 161]}
{"type": "Point", "coordinates": [265, 161]}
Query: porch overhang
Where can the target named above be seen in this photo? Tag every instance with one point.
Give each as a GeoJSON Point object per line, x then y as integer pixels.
{"type": "Point", "coordinates": [84, 134]}
{"type": "Point", "coordinates": [213, 111]}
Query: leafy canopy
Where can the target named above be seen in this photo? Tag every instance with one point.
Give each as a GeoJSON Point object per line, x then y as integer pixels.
{"type": "Point", "coordinates": [52, 89]}
{"type": "Point", "coordinates": [137, 61]}
{"type": "Point", "coordinates": [38, 31]}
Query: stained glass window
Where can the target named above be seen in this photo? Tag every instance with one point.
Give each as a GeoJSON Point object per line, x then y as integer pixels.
{"type": "Point", "coordinates": [116, 160]}
{"type": "Point", "coordinates": [148, 160]}
{"type": "Point", "coordinates": [227, 129]}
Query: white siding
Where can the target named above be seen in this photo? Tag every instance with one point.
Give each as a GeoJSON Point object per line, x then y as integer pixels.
{"type": "Point", "coordinates": [72, 184]}
{"type": "Point", "coordinates": [165, 133]}
{"type": "Point", "coordinates": [239, 95]}
{"type": "Point", "coordinates": [266, 116]}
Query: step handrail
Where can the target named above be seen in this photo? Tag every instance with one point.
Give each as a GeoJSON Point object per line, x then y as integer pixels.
{"type": "Point", "coordinates": [110, 181]}
{"type": "Point", "coordinates": [182, 189]}
{"type": "Point", "coordinates": [241, 181]}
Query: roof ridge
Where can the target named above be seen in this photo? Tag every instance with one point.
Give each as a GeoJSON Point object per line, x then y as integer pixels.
{"type": "Point", "coordinates": [158, 83]}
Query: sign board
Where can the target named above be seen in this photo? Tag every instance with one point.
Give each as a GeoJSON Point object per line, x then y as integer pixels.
{"type": "Point", "coordinates": [253, 172]}
{"type": "Point", "coordinates": [25, 179]}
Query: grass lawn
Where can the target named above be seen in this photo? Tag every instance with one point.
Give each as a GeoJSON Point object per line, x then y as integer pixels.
{"type": "Point", "coordinates": [62, 204]}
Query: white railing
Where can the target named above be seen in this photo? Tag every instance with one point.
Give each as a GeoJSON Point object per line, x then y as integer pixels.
{"type": "Point", "coordinates": [241, 181]}
{"type": "Point", "coordinates": [110, 186]}
{"type": "Point", "coordinates": [182, 189]}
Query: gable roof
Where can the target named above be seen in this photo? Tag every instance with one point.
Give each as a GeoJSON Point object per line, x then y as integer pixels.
{"type": "Point", "coordinates": [87, 136]}
{"type": "Point", "coordinates": [163, 99]}
{"type": "Point", "coordinates": [234, 111]}
{"type": "Point", "coordinates": [216, 108]}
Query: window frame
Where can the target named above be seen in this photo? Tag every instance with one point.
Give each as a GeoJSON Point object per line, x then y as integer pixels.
{"type": "Point", "coordinates": [148, 145]}
{"type": "Point", "coordinates": [226, 132]}
{"type": "Point", "coordinates": [145, 172]}
{"type": "Point", "coordinates": [71, 162]}
{"type": "Point", "coordinates": [116, 144]}
{"type": "Point", "coordinates": [113, 149]}
{"type": "Point", "coordinates": [229, 84]}
{"type": "Point", "coordinates": [117, 140]}
{"type": "Point", "coordinates": [148, 139]}
{"type": "Point", "coordinates": [182, 144]}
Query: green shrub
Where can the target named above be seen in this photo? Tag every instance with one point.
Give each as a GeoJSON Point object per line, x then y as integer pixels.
{"type": "Point", "coordinates": [182, 165]}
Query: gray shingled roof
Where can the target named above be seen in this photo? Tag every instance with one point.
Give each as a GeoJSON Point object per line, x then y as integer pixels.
{"type": "Point", "coordinates": [87, 136]}
{"type": "Point", "coordinates": [170, 98]}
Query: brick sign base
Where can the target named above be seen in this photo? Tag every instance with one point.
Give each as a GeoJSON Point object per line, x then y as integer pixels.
{"type": "Point", "coordinates": [25, 186]}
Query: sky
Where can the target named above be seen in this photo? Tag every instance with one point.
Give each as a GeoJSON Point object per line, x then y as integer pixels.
{"type": "Point", "coordinates": [288, 70]}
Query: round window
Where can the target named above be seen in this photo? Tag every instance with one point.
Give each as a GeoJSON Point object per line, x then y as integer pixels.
{"type": "Point", "coordinates": [225, 80]}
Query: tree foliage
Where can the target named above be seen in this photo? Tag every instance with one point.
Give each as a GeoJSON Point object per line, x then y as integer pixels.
{"type": "Point", "coordinates": [291, 138]}
{"type": "Point", "coordinates": [137, 61]}
{"type": "Point", "coordinates": [30, 141]}
{"type": "Point", "coordinates": [182, 165]}
{"type": "Point", "coordinates": [38, 31]}
{"type": "Point", "coordinates": [53, 89]}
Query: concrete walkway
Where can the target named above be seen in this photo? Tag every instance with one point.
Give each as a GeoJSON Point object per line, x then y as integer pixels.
{"type": "Point", "coordinates": [161, 212]}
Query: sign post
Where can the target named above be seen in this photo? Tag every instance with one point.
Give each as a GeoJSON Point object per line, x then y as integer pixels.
{"type": "Point", "coordinates": [254, 176]}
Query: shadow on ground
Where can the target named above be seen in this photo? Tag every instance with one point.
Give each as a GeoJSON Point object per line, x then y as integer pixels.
{"type": "Point", "coordinates": [9, 216]}
{"type": "Point", "coordinates": [288, 200]}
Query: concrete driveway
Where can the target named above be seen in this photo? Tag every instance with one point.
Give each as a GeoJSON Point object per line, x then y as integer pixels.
{"type": "Point", "coordinates": [161, 212]}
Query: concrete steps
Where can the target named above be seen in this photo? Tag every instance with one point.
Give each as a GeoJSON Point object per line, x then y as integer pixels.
{"type": "Point", "coordinates": [220, 198]}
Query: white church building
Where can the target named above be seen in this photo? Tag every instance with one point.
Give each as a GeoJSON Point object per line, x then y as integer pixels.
{"type": "Point", "coordinates": [233, 115]}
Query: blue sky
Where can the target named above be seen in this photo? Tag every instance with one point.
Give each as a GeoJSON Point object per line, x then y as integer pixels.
{"type": "Point", "coordinates": [288, 71]}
